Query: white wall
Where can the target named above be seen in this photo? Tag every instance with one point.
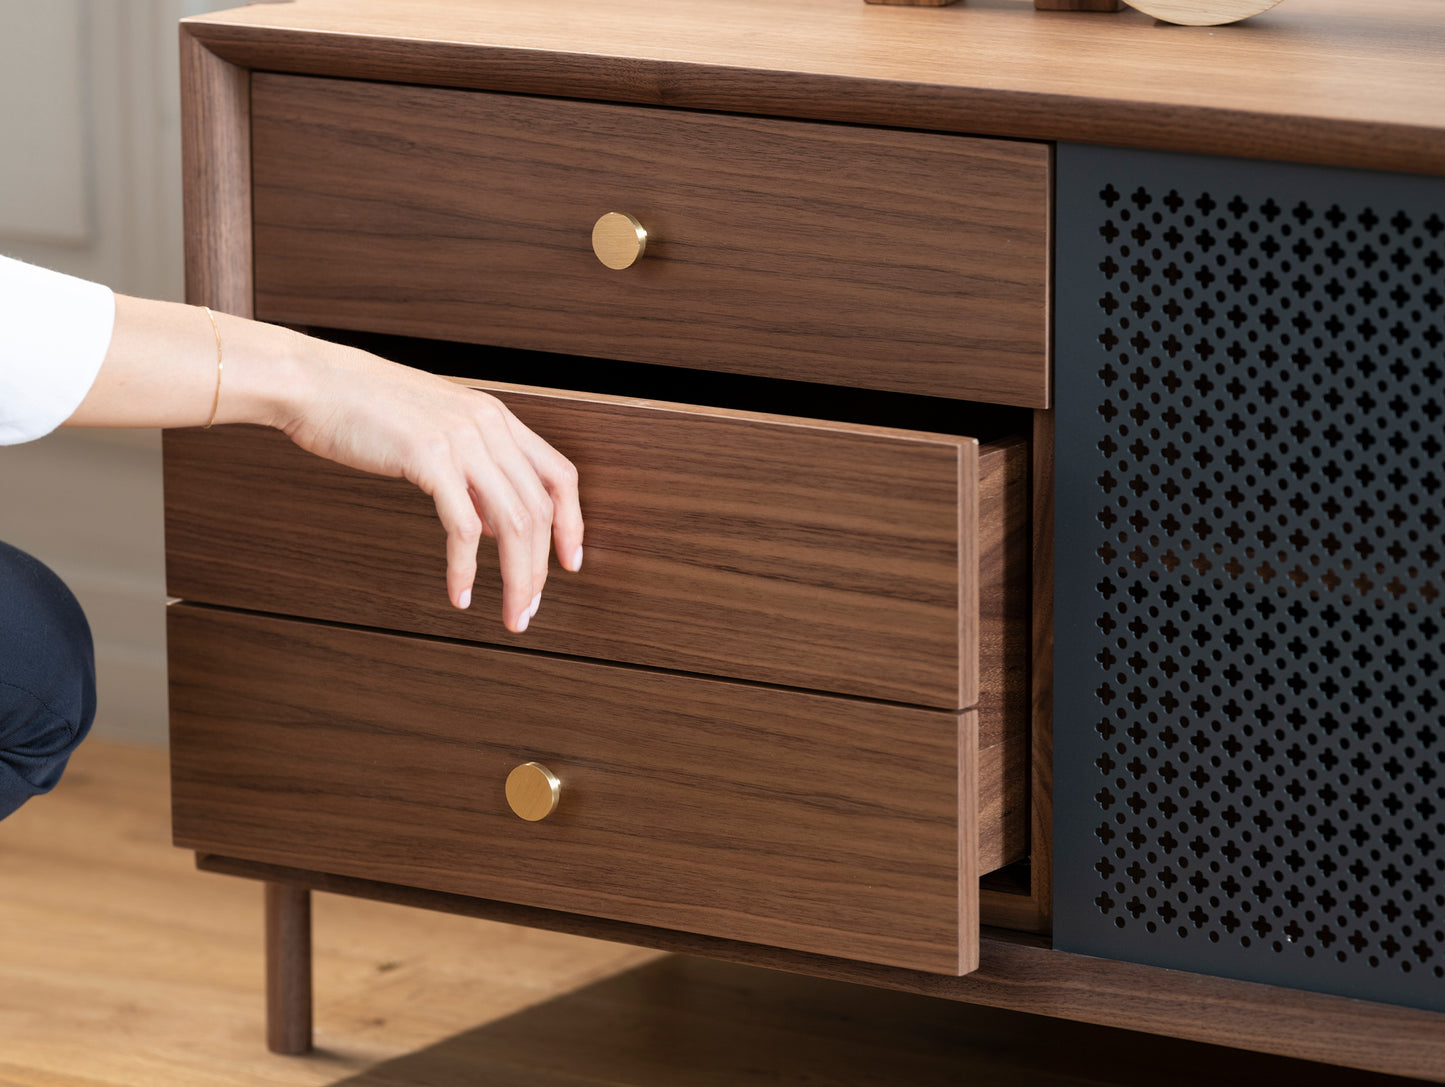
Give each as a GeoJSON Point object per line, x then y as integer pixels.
{"type": "Point", "coordinates": [90, 184]}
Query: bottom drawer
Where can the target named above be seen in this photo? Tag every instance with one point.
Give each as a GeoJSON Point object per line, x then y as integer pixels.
{"type": "Point", "coordinates": [817, 823]}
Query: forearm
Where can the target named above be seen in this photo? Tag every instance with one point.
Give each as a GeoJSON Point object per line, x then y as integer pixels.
{"type": "Point", "coordinates": [161, 370]}
{"type": "Point", "coordinates": [485, 470]}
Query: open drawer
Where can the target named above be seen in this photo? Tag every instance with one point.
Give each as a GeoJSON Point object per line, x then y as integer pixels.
{"type": "Point", "coordinates": [792, 819]}
{"type": "Point", "coordinates": [854, 559]}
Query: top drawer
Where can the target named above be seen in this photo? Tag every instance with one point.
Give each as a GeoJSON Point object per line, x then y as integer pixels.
{"type": "Point", "coordinates": [906, 261]}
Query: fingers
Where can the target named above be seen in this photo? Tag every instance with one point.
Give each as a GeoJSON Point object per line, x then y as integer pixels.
{"type": "Point", "coordinates": [559, 476]}
{"type": "Point", "coordinates": [505, 481]}
{"type": "Point", "coordinates": [463, 527]}
{"type": "Point", "coordinates": [511, 525]}
{"type": "Point", "coordinates": [519, 511]}
{"type": "Point", "coordinates": [467, 514]}
{"type": "Point", "coordinates": [486, 472]}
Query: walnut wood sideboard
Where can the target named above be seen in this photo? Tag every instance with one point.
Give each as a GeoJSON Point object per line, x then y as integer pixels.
{"type": "Point", "coordinates": [1013, 475]}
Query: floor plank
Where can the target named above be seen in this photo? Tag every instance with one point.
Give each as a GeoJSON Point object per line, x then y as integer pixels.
{"type": "Point", "coordinates": [122, 966]}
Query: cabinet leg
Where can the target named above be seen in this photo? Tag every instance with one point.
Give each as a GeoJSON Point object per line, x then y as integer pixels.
{"type": "Point", "coordinates": [288, 968]}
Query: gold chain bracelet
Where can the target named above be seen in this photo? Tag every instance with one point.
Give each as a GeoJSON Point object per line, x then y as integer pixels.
{"type": "Point", "coordinates": [216, 403]}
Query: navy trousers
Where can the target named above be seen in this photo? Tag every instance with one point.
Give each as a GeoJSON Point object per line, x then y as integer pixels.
{"type": "Point", "coordinates": [47, 678]}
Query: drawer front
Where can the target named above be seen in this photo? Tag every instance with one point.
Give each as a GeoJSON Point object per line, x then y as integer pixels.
{"type": "Point", "coordinates": [795, 820]}
{"type": "Point", "coordinates": [823, 556]}
{"type": "Point", "coordinates": [907, 261]}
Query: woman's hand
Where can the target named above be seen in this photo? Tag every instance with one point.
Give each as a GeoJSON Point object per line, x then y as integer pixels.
{"type": "Point", "coordinates": [487, 473]}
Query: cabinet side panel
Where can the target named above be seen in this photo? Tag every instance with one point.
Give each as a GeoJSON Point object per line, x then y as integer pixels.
{"type": "Point", "coordinates": [216, 164]}
{"type": "Point", "coordinates": [1248, 583]}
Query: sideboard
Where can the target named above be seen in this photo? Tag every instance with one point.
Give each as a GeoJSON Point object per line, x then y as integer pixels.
{"type": "Point", "coordinates": [1013, 481]}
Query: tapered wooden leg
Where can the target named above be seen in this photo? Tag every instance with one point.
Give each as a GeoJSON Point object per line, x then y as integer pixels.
{"type": "Point", "coordinates": [288, 968]}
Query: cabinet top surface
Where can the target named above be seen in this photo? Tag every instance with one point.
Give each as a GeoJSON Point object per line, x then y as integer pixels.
{"type": "Point", "coordinates": [1345, 82]}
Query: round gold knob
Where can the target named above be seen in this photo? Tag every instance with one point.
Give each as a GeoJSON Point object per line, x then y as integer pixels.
{"type": "Point", "coordinates": [533, 791]}
{"type": "Point", "coordinates": [618, 240]}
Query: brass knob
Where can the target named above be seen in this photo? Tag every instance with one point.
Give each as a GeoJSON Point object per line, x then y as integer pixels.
{"type": "Point", "coordinates": [618, 240]}
{"type": "Point", "coordinates": [533, 791]}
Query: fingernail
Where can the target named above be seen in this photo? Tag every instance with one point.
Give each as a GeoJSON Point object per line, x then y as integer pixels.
{"type": "Point", "coordinates": [536, 603]}
{"type": "Point", "coordinates": [465, 600]}
{"type": "Point", "coordinates": [576, 560]}
{"type": "Point", "coordinates": [522, 622]}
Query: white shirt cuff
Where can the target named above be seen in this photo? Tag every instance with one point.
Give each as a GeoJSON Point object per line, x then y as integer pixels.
{"type": "Point", "coordinates": [54, 334]}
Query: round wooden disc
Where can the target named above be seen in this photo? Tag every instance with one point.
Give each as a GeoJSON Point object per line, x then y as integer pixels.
{"type": "Point", "coordinates": [1201, 12]}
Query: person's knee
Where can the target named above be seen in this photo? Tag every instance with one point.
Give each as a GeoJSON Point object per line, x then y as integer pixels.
{"type": "Point", "coordinates": [47, 678]}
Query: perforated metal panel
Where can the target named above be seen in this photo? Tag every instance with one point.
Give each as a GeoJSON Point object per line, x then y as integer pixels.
{"type": "Point", "coordinates": [1250, 683]}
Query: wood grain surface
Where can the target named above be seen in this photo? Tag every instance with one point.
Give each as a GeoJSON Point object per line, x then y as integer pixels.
{"type": "Point", "coordinates": [288, 968]}
{"type": "Point", "coordinates": [906, 261]}
{"type": "Point", "coordinates": [1041, 717]}
{"type": "Point", "coordinates": [1003, 649]}
{"type": "Point", "coordinates": [818, 555]}
{"type": "Point", "coordinates": [818, 823]}
{"type": "Point", "coordinates": [216, 161]}
{"type": "Point", "coordinates": [1202, 12]}
{"type": "Point", "coordinates": [1030, 907]}
{"type": "Point", "coordinates": [1003, 580]}
{"type": "Point", "coordinates": [1024, 974]}
{"type": "Point", "coordinates": [122, 966]}
{"type": "Point", "coordinates": [1076, 5]}
{"type": "Point", "coordinates": [1335, 82]}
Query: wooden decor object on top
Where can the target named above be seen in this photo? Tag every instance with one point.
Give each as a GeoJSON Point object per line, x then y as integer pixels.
{"type": "Point", "coordinates": [1201, 12]}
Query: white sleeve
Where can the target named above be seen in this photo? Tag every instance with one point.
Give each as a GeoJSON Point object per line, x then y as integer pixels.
{"type": "Point", "coordinates": [54, 333]}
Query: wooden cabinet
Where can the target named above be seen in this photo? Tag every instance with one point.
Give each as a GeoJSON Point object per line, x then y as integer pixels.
{"type": "Point", "coordinates": [813, 645]}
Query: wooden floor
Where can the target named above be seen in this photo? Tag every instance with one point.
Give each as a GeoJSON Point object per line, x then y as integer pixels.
{"type": "Point", "coordinates": [120, 964]}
